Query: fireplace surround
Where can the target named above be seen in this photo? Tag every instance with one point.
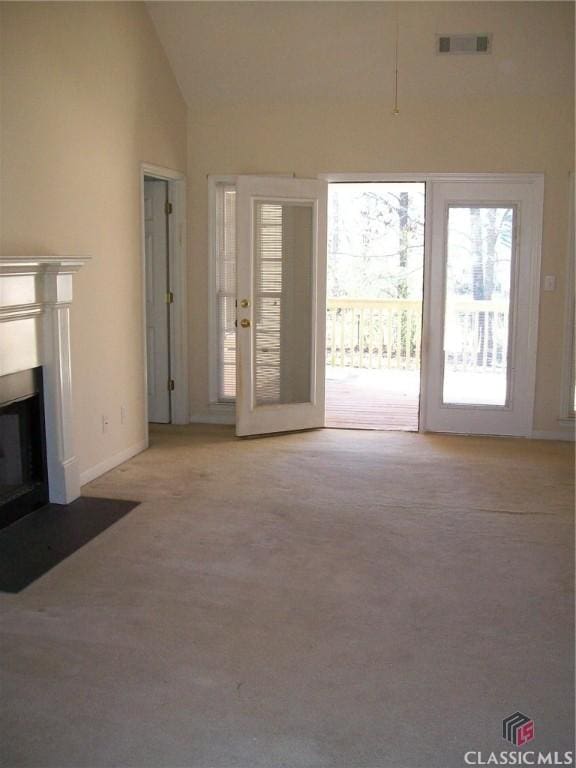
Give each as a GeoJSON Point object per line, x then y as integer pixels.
{"type": "Point", "coordinates": [35, 299]}
{"type": "Point", "coordinates": [23, 472]}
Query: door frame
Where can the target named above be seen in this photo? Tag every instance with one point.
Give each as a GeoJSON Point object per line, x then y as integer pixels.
{"type": "Point", "coordinates": [536, 180]}
{"type": "Point", "coordinates": [178, 268]}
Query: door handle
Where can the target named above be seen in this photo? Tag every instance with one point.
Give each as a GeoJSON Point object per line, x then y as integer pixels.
{"type": "Point", "coordinates": [245, 323]}
{"type": "Point", "coordinates": [244, 303]}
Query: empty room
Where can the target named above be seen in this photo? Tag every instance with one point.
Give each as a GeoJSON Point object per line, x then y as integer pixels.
{"type": "Point", "coordinates": [287, 384]}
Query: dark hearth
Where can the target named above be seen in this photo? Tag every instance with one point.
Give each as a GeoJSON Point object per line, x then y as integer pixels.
{"type": "Point", "coordinates": [23, 473]}
{"type": "Point", "coordinates": [40, 541]}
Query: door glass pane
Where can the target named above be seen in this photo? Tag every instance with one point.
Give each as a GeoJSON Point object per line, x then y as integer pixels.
{"type": "Point", "coordinates": [477, 305]}
{"type": "Point", "coordinates": [283, 254]}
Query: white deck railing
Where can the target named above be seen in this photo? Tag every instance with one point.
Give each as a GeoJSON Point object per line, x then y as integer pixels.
{"type": "Point", "coordinates": [386, 333]}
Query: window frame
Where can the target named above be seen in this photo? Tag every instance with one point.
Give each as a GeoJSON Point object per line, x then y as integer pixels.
{"type": "Point", "coordinates": [220, 408]}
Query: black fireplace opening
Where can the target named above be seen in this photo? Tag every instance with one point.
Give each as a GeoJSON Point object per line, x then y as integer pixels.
{"type": "Point", "coordinates": [23, 471]}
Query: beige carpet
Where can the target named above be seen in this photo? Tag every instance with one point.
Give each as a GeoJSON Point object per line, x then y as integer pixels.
{"type": "Point", "coordinates": [332, 598]}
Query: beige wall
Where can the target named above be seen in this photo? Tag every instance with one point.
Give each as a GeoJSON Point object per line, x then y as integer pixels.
{"type": "Point", "coordinates": [307, 88]}
{"type": "Point", "coordinates": [87, 96]}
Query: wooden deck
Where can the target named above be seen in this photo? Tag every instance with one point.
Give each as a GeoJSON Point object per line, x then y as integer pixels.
{"type": "Point", "coordinates": [365, 399]}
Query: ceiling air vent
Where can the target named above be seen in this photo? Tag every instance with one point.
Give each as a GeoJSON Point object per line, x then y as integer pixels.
{"type": "Point", "coordinates": [463, 44]}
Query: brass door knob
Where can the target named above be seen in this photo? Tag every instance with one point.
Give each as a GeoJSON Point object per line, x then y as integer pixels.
{"type": "Point", "coordinates": [245, 323]}
{"type": "Point", "coordinates": [244, 303]}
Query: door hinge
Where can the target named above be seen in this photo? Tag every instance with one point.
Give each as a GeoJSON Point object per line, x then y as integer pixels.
{"type": "Point", "coordinates": [169, 298]}
{"type": "Point", "coordinates": [168, 207]}
{"type": "Point", "coordinates": [170, 385]}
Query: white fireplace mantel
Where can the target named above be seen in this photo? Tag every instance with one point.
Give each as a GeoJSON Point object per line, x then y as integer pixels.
{"type": "Point", "coordinates": [35, 298]}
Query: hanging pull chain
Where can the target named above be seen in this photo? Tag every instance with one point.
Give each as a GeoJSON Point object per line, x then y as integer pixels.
{"type": "Point", "coordinates": [396, 109]}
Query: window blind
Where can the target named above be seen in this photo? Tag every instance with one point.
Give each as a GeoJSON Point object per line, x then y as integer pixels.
{"type": "Point", "coordinates": [268, 301]}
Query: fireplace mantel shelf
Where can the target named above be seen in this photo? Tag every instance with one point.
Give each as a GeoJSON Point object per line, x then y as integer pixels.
{"type": "Point", "coordinates": [25, 265]}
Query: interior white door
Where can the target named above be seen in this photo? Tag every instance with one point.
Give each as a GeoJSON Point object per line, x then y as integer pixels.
{"type": "Point", "coordinates": [157, 306]}
{"type": "Point", "coordinates": [483, 306]}
{"type": "Point", "coordinates": [281, 304]}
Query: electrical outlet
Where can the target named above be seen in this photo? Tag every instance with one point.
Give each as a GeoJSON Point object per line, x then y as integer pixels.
{"type": "Point", "coordinates": [549, 282]}
{"type": "Point", "coordinates": [105, 424]}
{"type": "Point", "coordinates": [123, 414]}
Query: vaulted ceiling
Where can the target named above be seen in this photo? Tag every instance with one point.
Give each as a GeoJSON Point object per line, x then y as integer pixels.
{"type": "Point", "coordinates": [265, 52]}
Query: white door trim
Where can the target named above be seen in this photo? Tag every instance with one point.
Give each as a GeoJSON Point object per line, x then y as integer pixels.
{"type": "Point", "coordinates": [179, 284]}
{"type": "Point", "coordinates": [457, 176]}
{"type": "Point", "coordinates": [566, 395]}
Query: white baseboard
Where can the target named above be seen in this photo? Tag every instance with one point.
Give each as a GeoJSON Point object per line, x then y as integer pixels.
{"type": "Point", "coordinates": [111, 463]}
{"type": "Point", "coordinates": [565, 435]}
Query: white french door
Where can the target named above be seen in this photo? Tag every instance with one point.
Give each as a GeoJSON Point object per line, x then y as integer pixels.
{"type": "Point", "coordinates": [482, 295]}
{"type": "Point", "coordinates": [281, 304]}
{"type": "Point", "coordinates": [483, 237]}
